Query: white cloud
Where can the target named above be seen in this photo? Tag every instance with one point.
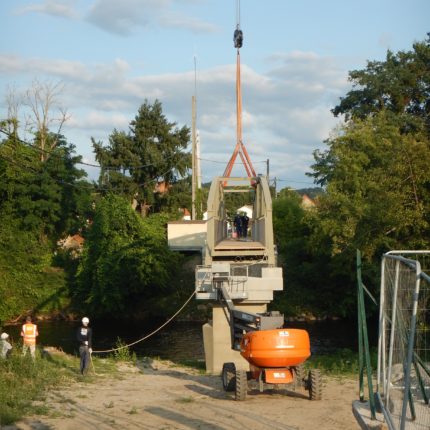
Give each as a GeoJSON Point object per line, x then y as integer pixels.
{"type": "Point", "coordinates": [96, 120]}
{"type": "Point", "coordinates": [62, 69]}
{"type": "Point", "coordinates": [123, 17]}
{"type": "Point", "coordinates": [286, 110]}
{"type": "Point", "coordinates": [127, 16]}
{"type": "Point", "coordinates": [187, 23]}
{"type": "Point", "coordinates": [64, 9]}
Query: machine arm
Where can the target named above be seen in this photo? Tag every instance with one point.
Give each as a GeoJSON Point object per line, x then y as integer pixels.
{"type": "Point", "coordinates": [242, 322]}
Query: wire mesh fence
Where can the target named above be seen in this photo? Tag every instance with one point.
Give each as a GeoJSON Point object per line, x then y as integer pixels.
{"type": "Point", "coordinates": [404, 344]}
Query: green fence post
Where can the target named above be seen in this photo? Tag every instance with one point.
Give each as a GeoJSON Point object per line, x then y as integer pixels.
{"type": "Point", "coordinates": [360, 348]}
{"type": "Point", "coordinates": [362, 314]}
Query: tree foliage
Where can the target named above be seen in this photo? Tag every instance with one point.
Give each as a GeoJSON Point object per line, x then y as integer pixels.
{"type": "Point", "coordinates": [400, 84]}
{"type": "Point", "coordinates": [47, 197]}
{"type": "Point", "coordinates": [152, 151]}
{"type": "Point", "coordinates": [39, 202]}
{"type": "Point", "coordinates": [376, 187]}
{"type": "Point", "coordinates": [125, 260]}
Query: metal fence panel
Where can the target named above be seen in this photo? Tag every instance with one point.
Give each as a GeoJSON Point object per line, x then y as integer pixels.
{"type": "Point", "coordinates": [404, 354]}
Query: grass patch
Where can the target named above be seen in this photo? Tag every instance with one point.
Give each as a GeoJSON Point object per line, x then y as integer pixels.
{"type": "Point", "coordinates": [24, 381]}
{"type": "Point", "coordinates": [199, 365]}
{"type": "Point", "coordinates": [185, 400]}
{"type": "Point", "coordinates": [343, 362]}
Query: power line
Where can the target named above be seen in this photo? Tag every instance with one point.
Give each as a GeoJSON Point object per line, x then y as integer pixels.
{"type": "Point", "coordinates": [45, 151]}
{"type": "Point", "coordinates": [292, 180]}
{"type": "Point", "coordinates": [223, 162]}
{"type": "Point", "coordinates": [114, 168]}
{"type": "Point", "coordinates": [85, 184]}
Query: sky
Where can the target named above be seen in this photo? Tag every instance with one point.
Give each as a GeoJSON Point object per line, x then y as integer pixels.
{"type": "Point", "coordinates": [112, 55]}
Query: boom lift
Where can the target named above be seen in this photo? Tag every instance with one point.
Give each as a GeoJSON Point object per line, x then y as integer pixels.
{"type": "Point", "coordinates": [275, 354]}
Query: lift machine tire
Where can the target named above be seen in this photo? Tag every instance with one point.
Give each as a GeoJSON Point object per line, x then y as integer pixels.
{"type": "Point", "coordinates": [241, 385]}
{"type": "Point", "coordinates": [315, 384]}
{"type": "Point", "coordinates": [229, 376]}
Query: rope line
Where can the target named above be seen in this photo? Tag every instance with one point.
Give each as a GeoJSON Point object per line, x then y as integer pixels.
{"type": "Point", "coordinates": [150, 334]}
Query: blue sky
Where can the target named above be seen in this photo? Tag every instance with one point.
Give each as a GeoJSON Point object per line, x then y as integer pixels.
{"type": "Point", "coordinates": [111, 55]}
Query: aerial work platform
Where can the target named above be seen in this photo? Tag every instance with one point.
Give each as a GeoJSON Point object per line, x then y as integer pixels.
{"type": "Point", "coordinates": [244, 268]}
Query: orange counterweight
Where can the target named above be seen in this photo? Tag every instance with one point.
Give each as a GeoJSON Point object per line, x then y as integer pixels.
{"type": "Point", "coordinates": [276, 348]}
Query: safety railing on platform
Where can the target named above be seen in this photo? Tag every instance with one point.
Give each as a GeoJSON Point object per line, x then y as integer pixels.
{"type": "Point", "coordinates": [403, 376]}
{"type": "Point", "coordinates": [234, 281]}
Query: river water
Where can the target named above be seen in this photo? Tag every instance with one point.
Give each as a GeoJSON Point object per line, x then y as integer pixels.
{"type": "Point", "coordinates": [180, 340]}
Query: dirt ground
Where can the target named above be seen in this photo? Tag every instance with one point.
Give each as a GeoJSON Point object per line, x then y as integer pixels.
{"type": "Point", "coordinates": [162, 396]}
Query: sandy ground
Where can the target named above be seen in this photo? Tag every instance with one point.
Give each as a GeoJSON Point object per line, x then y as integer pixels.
{"type": "Point", "coordinates": [163, 396]}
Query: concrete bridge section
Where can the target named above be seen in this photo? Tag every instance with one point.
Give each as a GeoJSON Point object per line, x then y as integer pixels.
{"type": "Point", "coordinates": [246, 268]}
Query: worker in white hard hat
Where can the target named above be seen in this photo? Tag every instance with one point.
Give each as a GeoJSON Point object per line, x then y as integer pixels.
{"type": "Point", "coordinates": [5, 346]}
{"type": "Point", "coordinates": [84, 336]}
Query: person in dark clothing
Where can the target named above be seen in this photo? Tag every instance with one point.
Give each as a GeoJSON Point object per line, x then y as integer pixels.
{"type": "Point", "coordinates": [245, 222]}
{"type": "Point", "coordinates": [238, 225]}
{"type": "Point", "coordinates": [84, 336]}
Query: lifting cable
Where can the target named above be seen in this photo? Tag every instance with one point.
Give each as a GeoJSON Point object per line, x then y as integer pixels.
{"type": "Point", "coordinates": [150, 334]}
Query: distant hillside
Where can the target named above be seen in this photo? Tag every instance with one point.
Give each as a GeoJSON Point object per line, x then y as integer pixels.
{"type": "Point", "coordinates": [311, 192]}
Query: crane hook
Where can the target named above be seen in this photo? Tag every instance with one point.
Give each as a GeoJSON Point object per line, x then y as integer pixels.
{"type": "Point", "coordinates": [238, 37]}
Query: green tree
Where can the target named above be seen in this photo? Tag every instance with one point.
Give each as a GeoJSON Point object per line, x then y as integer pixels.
{"type": "Point", "coordinates": [400, 84]}
{"type": "Point", "coordinates": [374, 173]}
{"type": "Point", "coordinates": [151, 152]}
{"type": "Point", "coordinates": [49, 197]}
{"type": "Point", "coordinates": [377, 184]}
{"type": "Point", "coordinates": [125, 261]}
{"type": "Point", "coordinates": [39, 202]}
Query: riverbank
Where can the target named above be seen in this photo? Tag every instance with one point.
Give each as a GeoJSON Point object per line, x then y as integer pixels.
{"type": "Point", "coordinates": [160, 394]}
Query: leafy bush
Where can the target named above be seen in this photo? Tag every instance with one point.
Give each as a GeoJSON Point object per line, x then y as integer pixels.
{"type": "Point", "coordinates": [125, 259]}
{"type": "Point", "coordinates": [123, 353]}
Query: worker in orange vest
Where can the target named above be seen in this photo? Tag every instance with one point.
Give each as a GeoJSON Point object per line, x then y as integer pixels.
{"type": "Point", "coordinates": [29, 333]}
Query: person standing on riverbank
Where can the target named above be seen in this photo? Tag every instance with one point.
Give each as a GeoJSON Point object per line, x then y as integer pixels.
{"type": "Point", "coordinates": [29, 333]}
{"type": "Point", "coordinates": [85, 338]}
{"type": "Point", "coordinates": [5, 346]}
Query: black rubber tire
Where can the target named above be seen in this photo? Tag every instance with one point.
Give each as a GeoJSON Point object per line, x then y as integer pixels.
{"type": "Point", "coordinates": [241, 385]}
{"type": "Point", "coordinates": [299, 376]}
{"type": "Point", "coordinates": [229, 376]}
{"type": "Point", "coordinates": [315, 385]}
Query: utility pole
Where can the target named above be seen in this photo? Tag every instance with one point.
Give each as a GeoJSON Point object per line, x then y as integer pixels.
{"type": "Point", "coordinates": [267, 169]}
{"type": "Point", "coordinates": [194, 144]}
{"type": "Point", "coordinates": [198, 164]}
{"type": "Point", "coordinates": [193, 157]}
